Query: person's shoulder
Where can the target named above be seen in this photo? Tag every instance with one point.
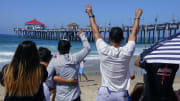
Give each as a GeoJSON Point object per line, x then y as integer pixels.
{"type": "Point", "coordinates": [130, 43]}
{"type": "Point", "coordinates": [55, 58]}
{"type": "Point", "coordinates": [100, 41]}
{"type": "Point", "coordinates": [129, 48]}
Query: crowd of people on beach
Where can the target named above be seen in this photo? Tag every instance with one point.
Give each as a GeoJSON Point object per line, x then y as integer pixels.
{"type": "Point", "coordinates": [36, 75]}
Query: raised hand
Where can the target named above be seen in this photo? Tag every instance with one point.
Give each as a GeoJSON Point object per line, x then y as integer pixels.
{"type": "Point", "coordinates": [135, 28]}
{"type": "Point", "coordinates": [139, 13]}
{"type": "Point", "coordinates": [93, 24]}
{"type": "Point", "coordinates": [89, 10]}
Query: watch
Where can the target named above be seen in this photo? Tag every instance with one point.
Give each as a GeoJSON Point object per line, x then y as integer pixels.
{"type": "Point", "coordinates": [92, 16]}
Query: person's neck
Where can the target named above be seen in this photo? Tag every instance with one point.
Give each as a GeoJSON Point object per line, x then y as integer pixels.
{"type": "Point", "coordinates": [115, 45]}
{"type": "Point", "coordinates": [61, 54]}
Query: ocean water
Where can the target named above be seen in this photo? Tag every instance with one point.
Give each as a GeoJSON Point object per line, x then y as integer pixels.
{"type": "Point", "coordinates": [9, 43]}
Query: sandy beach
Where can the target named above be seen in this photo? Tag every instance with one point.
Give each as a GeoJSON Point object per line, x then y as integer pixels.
{"type": "Point", "coordinates": [89, 89]}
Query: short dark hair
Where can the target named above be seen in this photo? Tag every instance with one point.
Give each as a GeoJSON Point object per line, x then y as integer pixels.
{"type": "Point", "coordinates": [45, 54]}
{"type": "Point", "coordinates": [64, 46]}
{"type": "Point", "coordinates": [116, 34]}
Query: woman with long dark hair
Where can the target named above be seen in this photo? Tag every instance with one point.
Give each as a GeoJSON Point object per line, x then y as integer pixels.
{"type": "Point", "coordinates": [24, 75]}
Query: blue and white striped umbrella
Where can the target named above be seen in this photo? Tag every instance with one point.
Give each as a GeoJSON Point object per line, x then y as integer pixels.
{"type": "Point", "coordinates": [165, 51]}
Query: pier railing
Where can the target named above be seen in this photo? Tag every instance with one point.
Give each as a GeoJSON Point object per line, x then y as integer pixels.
{"type": "Point", "coordinates": [147, 33]}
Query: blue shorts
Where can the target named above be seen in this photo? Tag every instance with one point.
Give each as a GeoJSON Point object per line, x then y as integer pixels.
{"type": "Point", "coordinates": [81, 70]}
{"type": "Point", "coordinates": [104, 94]}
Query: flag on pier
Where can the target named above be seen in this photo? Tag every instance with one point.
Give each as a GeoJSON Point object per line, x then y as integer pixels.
{"type": "Point", "coordinates": [165, 51]}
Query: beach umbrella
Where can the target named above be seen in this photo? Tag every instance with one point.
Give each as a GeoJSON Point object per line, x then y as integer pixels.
{"type": "Point", "coordinates": [164, 51]}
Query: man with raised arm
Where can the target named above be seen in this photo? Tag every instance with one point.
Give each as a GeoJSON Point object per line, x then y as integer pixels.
{"type": "Point", "coordinates": [114, 59]}
{"type": "Point", "coordinates": [66, 66]}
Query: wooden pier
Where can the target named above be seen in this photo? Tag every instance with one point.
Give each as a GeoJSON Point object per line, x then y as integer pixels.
{"type": "Point", "coordinates": [147, 33]}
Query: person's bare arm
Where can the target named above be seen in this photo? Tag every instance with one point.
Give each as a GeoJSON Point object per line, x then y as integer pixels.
{"type": "Point", "coordinates": [135, 28]}
{"type": "Point", "coordinates": [136, 63]}
{"type": "Point", "coordinates": [93, 24]}
{"type": "Point", "coordinates": [61, 80]}
{"type": "Point", "coordinates": [79, 56]}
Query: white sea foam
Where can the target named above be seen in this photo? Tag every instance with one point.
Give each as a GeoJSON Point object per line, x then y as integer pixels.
{"type": "Point", "coordinates": [6, 56]}
{"type": "Point", "coordinates": [92, 57]}
{"type": "Point", "coordinates": [6, 53]}
{"type": "Point", "coordinates": [2, 60]}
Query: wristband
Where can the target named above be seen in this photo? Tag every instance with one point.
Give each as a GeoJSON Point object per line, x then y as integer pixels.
{"type": "Point", "coordinates": [69, 82]}
{"type": "Point", "coordinates": [69, 85]}
{"type": "Point", "coordinates": [136, 18]}
{"type": "Point", "coordinates": [92, 16]}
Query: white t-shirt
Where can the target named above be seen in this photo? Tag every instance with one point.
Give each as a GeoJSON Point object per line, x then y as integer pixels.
{"type": "Point", "coordinates": [114, 65]}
